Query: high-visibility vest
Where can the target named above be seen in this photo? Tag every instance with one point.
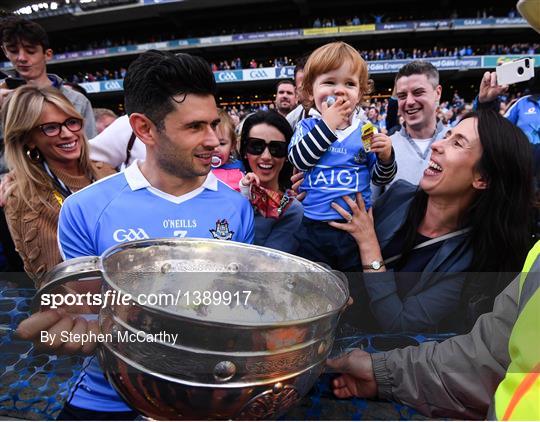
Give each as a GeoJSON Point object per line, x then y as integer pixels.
{"type": "Point", "coordinates": [518, 395]}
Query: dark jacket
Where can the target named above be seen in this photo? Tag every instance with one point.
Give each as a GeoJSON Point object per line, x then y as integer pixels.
{"type": "Point", "coordinates": [437, 295]}
{"type": "Point", "coordinates": [279, 234]}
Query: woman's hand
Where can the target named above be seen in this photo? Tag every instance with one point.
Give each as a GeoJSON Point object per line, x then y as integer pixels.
{"type": "Point", "coordinates": [297, 179]}
{"type": "Point", "coordinates": [249, 179]}
{"type": "Point", "coordinates": [361, 227]}
{"type": "Point", "coordinates": [360, 224]}
{"type": "Point", "coordinates": [382, 146]}
{"type": "Point", "coordinates": [489, 88]}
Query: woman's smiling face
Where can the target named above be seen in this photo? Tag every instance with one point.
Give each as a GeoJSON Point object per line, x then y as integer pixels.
{"type": "Point", "coordinates": [265, 165]}
{"type": "Point", "coordinates": [452, 170]}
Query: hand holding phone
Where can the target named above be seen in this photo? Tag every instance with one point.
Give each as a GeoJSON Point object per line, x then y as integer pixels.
{"type": "Point", "coordinates": [515, 71]}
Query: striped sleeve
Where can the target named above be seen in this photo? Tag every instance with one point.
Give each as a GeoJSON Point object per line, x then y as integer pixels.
{"type": "Point", "coordinates": [308, 145]}
{"type": "Point", "coordinates": [383, 174]}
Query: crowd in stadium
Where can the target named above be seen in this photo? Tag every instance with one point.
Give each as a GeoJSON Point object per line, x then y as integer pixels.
{"type": "Point", "coordinates": [428, 206]}
{"type": "Point", "coordinates": [369, 55]}
{"type": "Point", "coordinates": [142, 37]}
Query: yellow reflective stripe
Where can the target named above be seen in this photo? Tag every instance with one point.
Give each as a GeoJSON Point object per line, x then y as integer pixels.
{"type": "Point", "coordinates": [524, 389]}
{"type": "Point", "coordinates": [529, 262]}
{"type": "Point", "coordinates": [524, 350]}
{"type": "Point", "coordinates": [529, 405]}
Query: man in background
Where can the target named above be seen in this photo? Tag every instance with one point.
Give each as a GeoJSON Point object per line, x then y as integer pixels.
{"type": "Point", "coordinates": [285, 97]}
{"type": "Point", "coordinates": [104, 118]}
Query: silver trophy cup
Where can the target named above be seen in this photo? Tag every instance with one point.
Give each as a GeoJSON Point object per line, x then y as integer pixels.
{"type": "Point", "coordinates": [235, 355]}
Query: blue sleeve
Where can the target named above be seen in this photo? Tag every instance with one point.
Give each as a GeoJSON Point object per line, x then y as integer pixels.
{"type": "Point", "coordinates": [382, 174]}
{"type": "Point", "coordinates": [310, 141]}
{"type": "Point", "coordinates": [74, 237]}
{"type": "Point", "coordinates": [413, 313]}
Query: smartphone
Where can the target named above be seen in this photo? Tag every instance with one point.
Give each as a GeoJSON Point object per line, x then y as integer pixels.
{"type": "Point", "coordinates": [515, 71]}
{"type": "Point", "coordinates": [13, 83]}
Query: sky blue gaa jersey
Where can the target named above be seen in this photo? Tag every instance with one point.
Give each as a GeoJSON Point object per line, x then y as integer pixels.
{"type": "Point", "coordinates": [125, 207]}
{"type": "Point", "coordinates": [335, 165]}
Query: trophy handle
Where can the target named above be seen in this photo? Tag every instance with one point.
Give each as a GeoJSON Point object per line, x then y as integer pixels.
{"type": "Point", "coordinates": [74, 269]}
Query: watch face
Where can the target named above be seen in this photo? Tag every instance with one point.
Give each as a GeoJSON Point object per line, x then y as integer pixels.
{"type": "Point", "coordinates": [376, 265]}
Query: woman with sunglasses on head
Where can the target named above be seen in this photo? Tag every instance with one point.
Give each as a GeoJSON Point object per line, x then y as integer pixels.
{"type": "Point", "coordinates": [264, 141]}
{"type": "Point", "coordinates": [47, 154]}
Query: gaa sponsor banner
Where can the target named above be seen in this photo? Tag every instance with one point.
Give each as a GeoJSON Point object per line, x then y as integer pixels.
{"type": "Point", "coordinates": [433, 24]}
{"type": "Point", "coordinates": [260, 73]}
{"type": "Point", "coordinates": [445, 63]}
{"type": "Point", "coordinates": [216, 40]}
{"type": "Point", "coordinates": [284, 34]}
{"type": "Point", "coordinates": [321, 31]}
{"type": "Point", "coordinates": [91, 87]}
{"type": "Point", "coordinates": [122, 49]}
{"type": "Point", "coordinates": [494, 61]}
{"type": "Point", "coordinates": [103, 86]}
{"type": "Point", "coordinates": [473, 22]}
{"type": "Point", "coordinates": [392, 26]}
{"type": "Point", "coordinates": [285, 72]}
{"type": "Point", "coordinates": [510, 21]}
{"type": "Point", "coordinates": [267, 35]}
{"type": "Point", "coordinates": [227, 76]}
{"type": "Point", "coordinates": [357, 28]}
{"type": "Point", "coordinates": [152, 45]}
{"type": "Point", "coordinates": [448, 63]}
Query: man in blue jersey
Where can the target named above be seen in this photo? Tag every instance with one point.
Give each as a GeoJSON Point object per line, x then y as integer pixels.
{"type": "Point", "coordinates": [171, 107]}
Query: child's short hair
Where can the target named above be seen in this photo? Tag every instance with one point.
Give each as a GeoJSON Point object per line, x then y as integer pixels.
{"type": "Point", "coordinates": [227, 124]}
{"type": "Point", "coordinates": [330, 57]}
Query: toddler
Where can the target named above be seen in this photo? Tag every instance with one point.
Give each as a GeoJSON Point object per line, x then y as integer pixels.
{"type": "Point", "coordinates": [338, 150]}
{"type": "Point", "coordinates": [225, 164]}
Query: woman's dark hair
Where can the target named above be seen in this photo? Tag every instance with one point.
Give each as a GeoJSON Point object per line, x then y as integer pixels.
{"type": "Point", "coordinates": [271, 118]}
{"type": "Point", "coordinates": [155, 77]}
{"type": "Point", "coordinates": [500, 216]}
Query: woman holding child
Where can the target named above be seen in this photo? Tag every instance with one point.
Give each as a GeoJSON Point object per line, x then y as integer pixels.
{"type": "Point", "coordinates": [471, 213]}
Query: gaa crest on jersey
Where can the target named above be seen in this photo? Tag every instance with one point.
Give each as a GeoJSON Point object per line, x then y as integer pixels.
{"type": "Point", "coordinates": [360, 157]}
{"type": "Point", "coordinates": [222, 231]}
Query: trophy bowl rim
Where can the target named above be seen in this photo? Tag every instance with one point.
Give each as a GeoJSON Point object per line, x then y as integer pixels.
{"type": "Point", "coordinates": [339, 282]}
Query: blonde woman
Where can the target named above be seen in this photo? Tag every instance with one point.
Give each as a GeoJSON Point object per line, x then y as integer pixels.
{"type": "Point", "coordinates": [47, 154]}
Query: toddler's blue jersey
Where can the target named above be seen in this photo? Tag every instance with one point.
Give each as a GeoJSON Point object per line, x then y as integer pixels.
{"type": "Point", "coordinates": [344, 169]}
{"type": "Point", "coordinates": [125, 207]}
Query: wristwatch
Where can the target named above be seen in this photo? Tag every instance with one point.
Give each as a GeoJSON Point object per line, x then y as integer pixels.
{"type": "Point", "coordinates": [375, 265]}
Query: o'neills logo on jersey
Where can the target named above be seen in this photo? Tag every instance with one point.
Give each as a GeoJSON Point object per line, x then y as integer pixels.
{"type": "Point", "coordinates": [126, 235]}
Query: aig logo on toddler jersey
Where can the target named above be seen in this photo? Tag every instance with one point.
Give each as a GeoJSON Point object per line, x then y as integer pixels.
{"type": "Point", "coordinates": [126, 235]}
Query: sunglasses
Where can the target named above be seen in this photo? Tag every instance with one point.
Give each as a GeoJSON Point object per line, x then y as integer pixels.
{"type": "Point", "coordinates": [53, 128]}
{"type": "Point", "coordinates": [256, 146]}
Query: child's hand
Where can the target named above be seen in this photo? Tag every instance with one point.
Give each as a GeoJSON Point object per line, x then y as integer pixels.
{"type": "Point", "coordinates": [249, 179]}
{"type": "Point", "coordinates": [337, 116]}
{"type": "Point", "coordinates": [381, 144]}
